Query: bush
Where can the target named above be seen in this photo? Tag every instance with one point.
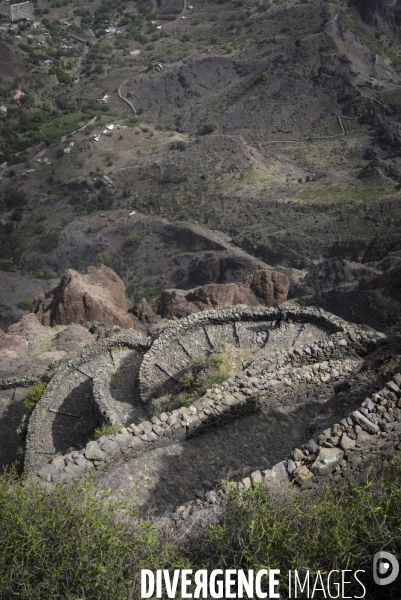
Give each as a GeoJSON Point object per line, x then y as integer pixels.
{"type": "Point", "coordinates": [46, 275]}
{"type": "Point", "coordinates": [339, 528]}
{"type": "Point", "coordinates": [62, 76]}
{"type": "Point", "coordinates": [9, 227]}
{"type": "Point", "coordinates": [15, 199]}
{"type": "Point", "coordinates": [7, 265]}
{"type": "Point", "coordinates": [134, 238]}
{"type": "Point", "coordinates": [25, 304]}
{"type": "Point", "coordinates": [34, 395]}
{"type": "Point", "coordinates": [66, 545]}
{"type": "Point", "coordinates": [107, 430]}
{"type": "Point", "coordinates": [105, 258]}
{"type": "Point", "coordinates": [48, 242]}
{"type": "Point", "coordinates": [208, 128]}
{"type": "Point", "coordinates": [17, 215]}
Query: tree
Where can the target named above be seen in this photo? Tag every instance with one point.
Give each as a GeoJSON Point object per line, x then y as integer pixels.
{"type": "Point", "coordinates": [15, 199]}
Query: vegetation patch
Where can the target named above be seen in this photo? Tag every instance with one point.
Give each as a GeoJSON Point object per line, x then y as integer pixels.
{"type": "Point", "coordinates": [25, 304]}
{"type": "Point", "coordinates": [34, 395]}
{"type": "Point", "coordinates": [107, 430]}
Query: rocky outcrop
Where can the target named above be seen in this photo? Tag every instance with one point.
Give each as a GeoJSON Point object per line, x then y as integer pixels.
{"type": "Point", "coordinates": [372, 11]}
{"type": "Point", "coordinates": [266, 288]}
{"type": "Point", "coordinates": [145, 313]}
{"type": "Point", "coordinates": [218, 268]}
{"type": "Point", "coordinates": [30, 351]}
{"type": "Point", "coordinates": [97, 297]}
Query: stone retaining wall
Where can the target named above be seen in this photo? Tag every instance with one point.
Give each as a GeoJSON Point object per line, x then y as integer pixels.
{"type": "Point", "coordinates": [72, 406]}
{"type": "Point", "coordinates": [342, 452]}
{"type": "Point", "coordinates": [173, 352]}
{"type": "Point", "coordinates": [250, 391]}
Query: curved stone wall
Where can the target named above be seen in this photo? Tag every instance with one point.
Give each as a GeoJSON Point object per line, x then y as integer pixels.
{"type": "Point", "coordinates": [80, 397]}
{"type": "Point", "coordinates": [272, 401]}
{"type": "Point", "coordinates": [173, 352]}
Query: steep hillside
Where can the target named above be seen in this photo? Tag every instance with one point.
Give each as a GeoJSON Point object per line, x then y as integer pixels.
{"type": "Point", "coordinates": [276, 127]}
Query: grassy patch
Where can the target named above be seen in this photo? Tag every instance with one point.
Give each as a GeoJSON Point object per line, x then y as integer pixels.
{"type": "Point", "coordinates": [364, 192]}
{"type": "Point", "coordinates": [62, 126]}
{"type": "Point", "coordinates": [34, 395]}
{"type": "Point", "coordinates": [107, 430]}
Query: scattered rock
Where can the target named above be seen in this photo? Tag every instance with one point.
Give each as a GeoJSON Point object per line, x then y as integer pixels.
{"type": "Point", "coordinates": [327, 460]}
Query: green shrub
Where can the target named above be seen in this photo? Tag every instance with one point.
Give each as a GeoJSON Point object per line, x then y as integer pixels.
{"type": "Point", "coordinates": [105, 257]}
{"type": "Point", "coordinates": [67, 545]}
{"type": "Point", "coordinates": [339, 528]}
{"type": "Point", "coordinates": [7, 265]}
{"type": "Point", "coordinates": [46, 275]}
{"type": "Point", "coordinates": [17, 216]}
{"type": "Point", "coordinates": [151, 293]}
{"type": "Point", "coordinates": [15, 199]}
{"type": "Point", "coordinates": [48, 242]}
{"type": "Point", "coordinates": [208, 128]}
{"type": "Point", "coordinates": [107, 430]}
{"type": "Point", "coordinates": [9, 227]}
{"type": "Point", "coordinates": [134, 238]}
{"type": "Point", "coordinates": [60, 73]}
{"type": "Point", "coordinates": [39, 230]}
{"type": "Point", "coordinates": [25, 304]}
{"type": "Point", "coordinates": [160, 127]}
{"type": "Point", "coordinates": [34, 395]}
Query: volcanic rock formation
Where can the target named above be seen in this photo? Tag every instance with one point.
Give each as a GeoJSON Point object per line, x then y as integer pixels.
{"type": "Point", "coordinates": [268, 288]}
{"type": "Point", "coordinates": [97, 297]}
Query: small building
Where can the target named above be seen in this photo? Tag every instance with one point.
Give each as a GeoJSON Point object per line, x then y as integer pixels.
{"type": "Point", "coordinates": [3, 165]}
{"type": "Point", "coordinates": [107, 181]}
{"type": "Point", "coordinates": [18, 95]}
{"type": "Point", "coordinates": [3, 110]}
{"type": "Point", "coordinates": [159, 27]}
{"type": "Point", "coordinates": [24, 10]}
{"type": "Point", "coordinates": [104, 100]}
{"type": "Point", "coordinates": [47, 63]}
{"type": "Point", "coordinates": [3, 222]}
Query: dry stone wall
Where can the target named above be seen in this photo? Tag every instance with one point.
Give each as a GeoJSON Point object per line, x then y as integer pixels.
{"type": "Point", "coordinates": [172, 354]}
{"type": "Point", "coordinates": [77, 399]}
{"type": "Point", "coordinates": [280, 389]}
{"type": "Point", "coordinates": [342, 452]}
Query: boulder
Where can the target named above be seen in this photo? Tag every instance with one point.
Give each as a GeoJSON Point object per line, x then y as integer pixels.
{"type": "Point", "coordinates": [98, 296]}
{"type": "Point", "coordinates": [327, 460]}
{"type": "Point", "coordinates": [266, 288]}
{"type": "Point", "coordinates": [145, 313]}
